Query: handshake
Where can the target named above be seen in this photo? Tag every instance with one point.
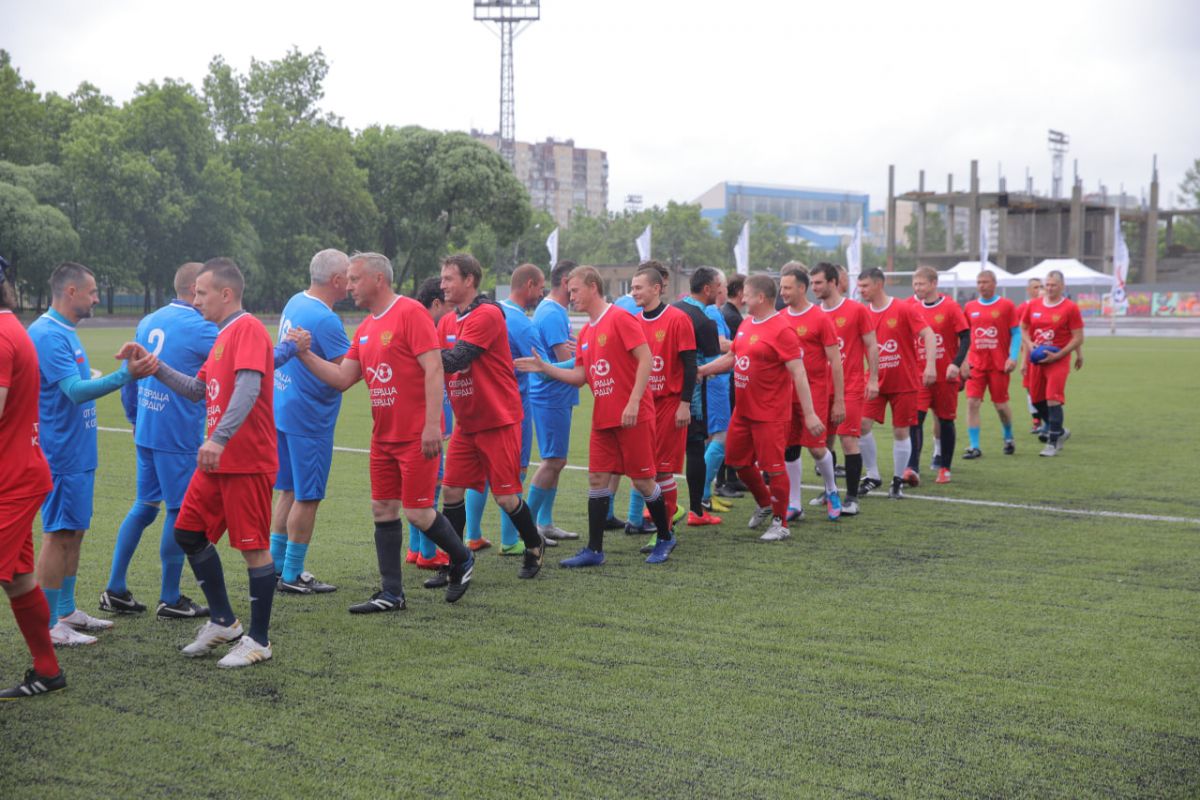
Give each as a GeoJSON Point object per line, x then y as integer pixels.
{"type": "Point", "coordinates": [299, 337]}
{"type": "Point", "coordinates": [138, 360]}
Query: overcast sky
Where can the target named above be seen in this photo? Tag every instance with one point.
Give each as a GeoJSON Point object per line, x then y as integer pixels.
{"type": "Point", "coordinates": [685, 94]}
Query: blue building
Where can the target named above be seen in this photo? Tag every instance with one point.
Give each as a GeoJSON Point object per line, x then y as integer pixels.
{"type": "Point", "coordinates": [823, 217]}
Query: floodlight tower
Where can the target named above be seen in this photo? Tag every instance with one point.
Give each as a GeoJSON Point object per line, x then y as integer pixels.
{"type": "Point", "coordinates": [510, 18]}
{"type": "Point", "coordinates": [1059, 144]}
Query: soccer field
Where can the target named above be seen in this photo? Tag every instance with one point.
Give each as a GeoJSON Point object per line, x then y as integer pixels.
{"type": "Point", "coordinates": [922, 649]}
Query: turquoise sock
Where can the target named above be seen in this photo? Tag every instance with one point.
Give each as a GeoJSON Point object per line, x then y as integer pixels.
{"type": "Point", "coordinates": [415, 539]}
{"type": "Point", "coordinates": [1007, 432]}
{"type": "Point", "coordinates": [714, 454]}
{"type": "Point", "coordinates": [66, 599]}
{"type": "Point", "coordinates": [610, 505]}
{"type": "Point", "coordinates": [475, 503]}
{"type": "Point", "coordinates": [538, 500]}
{"type": "Point", "coordinates": [973, 434]}
{"type": "Point", "coordinates": [293, 561]}
{"type": "Point", "coordinates": [279, 545]}
{"type": "Point", "coordinates": [546, 510]}
{"type": "Point", "coordinates": [637, 504]}
{"type": "Point", "coordinates": [52, 601]}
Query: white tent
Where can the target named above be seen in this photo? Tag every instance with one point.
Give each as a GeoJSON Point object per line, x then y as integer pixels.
{"type": "Point", "coordinates": [963, 274]}
{"type": "Point", "coordinates": [1075, 272]}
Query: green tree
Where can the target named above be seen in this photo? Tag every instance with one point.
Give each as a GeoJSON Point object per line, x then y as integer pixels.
{"type": "Point", "coordinates": [34, 238]}
{"type": "Point", "coordinates": [21, 116]}
{"type": "Point", "coordinates": [531, 246]}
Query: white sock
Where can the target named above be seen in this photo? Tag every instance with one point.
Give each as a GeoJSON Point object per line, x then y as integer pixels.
{"type": "Point", "coordinates": [795, 473]}
{"type": "Point", "coordinates": [937, 447]}
{"type": "Point", "coordinates": [825, 467]}
{"type": "Point", "coordinates": [901, 452]}
{"type": "Point", "coordinates": [866, 444]}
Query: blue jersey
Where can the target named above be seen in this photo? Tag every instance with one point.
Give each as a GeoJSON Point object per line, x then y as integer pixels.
{"type": "Point", "coordinates": [304, 404]}
{"type": "Point", "coordinates": [626, 303]}
{"type": "Point", "coordinates": [551, 327]}
{"type": "Point", "coordinates": [163, 420]}
{"type": "Point", "coordinates": [66, 430]}
{"type": "Point", "coordinates": [716, 386]}
{"type": "Point", "coordinates": [521, 340]}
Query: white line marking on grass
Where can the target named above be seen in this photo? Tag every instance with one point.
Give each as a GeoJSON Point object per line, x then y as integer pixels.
{"type": "Point", "coordinates": [1079, 512]}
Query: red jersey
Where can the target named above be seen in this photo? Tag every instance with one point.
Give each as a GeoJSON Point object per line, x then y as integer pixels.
{"type": "Point", "coordinates": [1052, 324]}
{"type": "Point", "coordinates": [850, 323]}
{"type": "Point", "coordinates": [896, 327]}
{"type": "Point", "coordinates": [23, 470]}
{"type": "Point", "coordinates": [815, 331]}
{"type": "Point", "coordinates": [485, 394]}
{"type": "Point", "coordinates": [386, 348]}
{"type": "Point", "coordinates": [243, 344]}
{"type": "Point", "coordinates": [605, 353]}
{"type": "Point", "coordinates": [762, 384]}
{"type": "Point", "coordinates": [668, 335]}
{"type": "Point", "coordinates": [947, 321]}
{"type": "Point", "coordinates": [991, 332]}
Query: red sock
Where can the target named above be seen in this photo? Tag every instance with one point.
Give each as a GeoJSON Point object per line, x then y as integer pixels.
{"type": "Point", "coordinates": [670, 495]}
{"type": "Point", "coordinates": [33, 618]}
{"type": "Point", "coordinates": [780, 487]}
{"type": "Point", "coordinates": [754, 482]}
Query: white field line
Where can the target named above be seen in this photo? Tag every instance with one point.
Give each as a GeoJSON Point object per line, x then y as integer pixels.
{"type": "Point", "coordinates": [1079, 512]}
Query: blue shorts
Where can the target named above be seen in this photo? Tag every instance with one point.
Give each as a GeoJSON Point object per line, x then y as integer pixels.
{"type": "Point", "coordinates": [553, 425]}
{"type": "Point", "coordinates": [68, 507]}
{"type": "Point", "coordinates": [718, 407]}
{"type": "Point", "coordinates": [303, 464]}
{"type": "Point", "coordinates": [163, 476]}
{"type": "Point", "coordinates": [526, 434]}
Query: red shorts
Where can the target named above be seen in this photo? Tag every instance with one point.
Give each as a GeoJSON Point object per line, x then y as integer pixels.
{"type": "Point", "coordinates": [16, 534]}
{"type": "Point", "coordinates": [798, 433]}
{"type": "Point", "coordinates": [400, 471]}
{"type": "Point", "coordinates": [623, 451]}
{"type": "Point", "coordinates": [942, 398]}
{"type": "Point", "coordinates": [995, 381]}
{"type": "Point", "coordinates": [670, 442]}
{"type": "Point", "coordinates": [904, 408]}
{"type": "Point", "coordinates": [220, 501]}
{"type": "Point", "coordinates": [485, 458]}
{"type": "Point", "coordinates": [748, 442]}
{"type": "Point", "coordinates": [852, 424]}
{"type": "Point", "coordinates": [1028, 374]}
{"type": "Point", "coordinates": [1049, 382]}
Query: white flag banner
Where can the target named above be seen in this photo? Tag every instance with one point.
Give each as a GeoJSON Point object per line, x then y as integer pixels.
{"type": "Point", "coordinates": [1120, 264]}
{"type": "Point", "coordinates": [984, 233]}
{"type": "Point", "coordinates": [854, 258]}
{"type": "Point", "coordinates": [741, 250]}
{"type": "Point", "coordinates": [552, 246]}
{"type": "Point", "coordinates": [643, 245]}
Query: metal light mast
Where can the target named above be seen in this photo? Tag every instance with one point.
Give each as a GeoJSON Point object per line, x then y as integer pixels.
{"type": "Point", "coordinates": [510, 17]}
{"type": "Point", "coordinates": [1059, 144]}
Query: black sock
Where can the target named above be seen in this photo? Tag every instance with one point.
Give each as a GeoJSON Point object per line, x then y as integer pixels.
{"type": "Point", "coordinates": [206, 565]}
{"type": "Point", "coordinates": [853, 473]}
{"type": "Point", "coordinates": [443, 534]}
{"type": "Point", "coordinates": [658, 512]}
{"type": "Point", "coordinates": [457, 514]}
{"type": "Point", "coordinates": [722, 478]}
{"type": "Point", "coordinates": [1054, 421]}
{"type": "Point", "coordinates": [389, 553]}
{"type": "Point", "coordinates": [597, 516]}
{"type": "Point", "coordinates": [916, 435]}
{"type": "Point", "coordinates": [522, 520]}
{"type": "Point", "coordinates": [262, 592]}
{"type": "Point", "coordinates": [1043, 409]}
{"type": "Point", "coordinates": [696, 472]}
{"type": "Point", "coordinates": [833, 455]}
{"type": "Point", "coordinates": [949, 435]}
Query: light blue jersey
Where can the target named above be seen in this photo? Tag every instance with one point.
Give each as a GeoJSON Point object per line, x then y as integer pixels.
{"type": "Point", "coordinates": [716, 386]}
{"type": "Point", "coordinates": [626, 303]}
{"type": "Point", "coordinates": [305, 405]}
{"type": "Point", "coordinates": [163, 420]}
{"type": "Point", "coordinates": [521, 340]}
{"type": "Point", "coordinates": [552, 327]}
{"type": "Point", "coordinates": [66, 430]}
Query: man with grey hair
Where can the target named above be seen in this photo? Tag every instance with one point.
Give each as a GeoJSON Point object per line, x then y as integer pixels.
{"type": "Point", "coordinates": [306, 411]}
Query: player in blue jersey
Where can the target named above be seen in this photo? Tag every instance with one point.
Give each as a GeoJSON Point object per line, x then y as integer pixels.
{"type": "Point", "coordinates": [67, 424]}
{"type": "Point", "coordinates": [553, 402]}
{"type": "Point", "coordinates": [716, 411]}
{"type": "Point", "coordinates": [167, 431]}
{"type": "Point", "coordinates": [525, 290]}
{"type": "Point", "coordinates": [306, 411]}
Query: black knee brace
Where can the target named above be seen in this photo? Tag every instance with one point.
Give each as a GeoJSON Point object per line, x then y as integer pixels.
{"type": "Point", "coordinates": [792, 453]}
{"type": "Point", "coordinates": [190, 542]}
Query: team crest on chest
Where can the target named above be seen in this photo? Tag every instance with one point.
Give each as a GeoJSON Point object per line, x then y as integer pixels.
{"type": "Point", "coordinates": [841, 322]}
{"type": "Point", "coordinates": [659, 335]}
{"type": "Point", "coordinates": [893, 322]}
{"type": "Point", "coordinates": [753, 338]}
{"type": "Point", "coordinates": [1054, 317]}
{"type": "Point", "coordinates": [801, 330]}
{"type": "Point", "coordinates": [385, 338]}
{"type": "Point", "coordinates": [939, 318]}
{"type": "Point", "coordinates": [602, 340]}
{"type": "Point", "coordinates": [218, 351]}
{"type": "Point", "coordinates": [996, 314]}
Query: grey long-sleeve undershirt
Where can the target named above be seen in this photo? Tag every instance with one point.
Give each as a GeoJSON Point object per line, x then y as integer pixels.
{"type": "Point", "coordinates": [246, 387]}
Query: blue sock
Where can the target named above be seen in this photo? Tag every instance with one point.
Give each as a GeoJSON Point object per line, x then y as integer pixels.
{"type": "Point", "coordinates": [128, 535]}
{"type": "Point", "coordinates": [172, 559]}
{"type": "Point", "coordinates": [66, 597]}
{"type": "Point", "coordinates": [278, 550]}
{"type": "Point", "coordinates": [428, 547]}
{"type": "Point", "coordinates": [52, 601]}
{"type": "Point", "coordinates": [973, 435]}
{"type": "Point", "coordinates": [475, 503]}
{"type": "Point", "coordinates": [611, 496]}
{"type": "Point", "coordinates": [415, 539]}
{"type": "Point", "coordinates": [262, 592]}
{"type": "Point", "coordinates": [207, 567]}
{"type": "Point", "coordinates": [1007, 432]}
{"type": "Point", "coordinates": [545, 513]}
{"type": "Point", "coordinates": [535, 500]}
{"type": "Point", "coordinates": [714, 454]}
{"type": "Point", "coordinates": [293, 561]}
{"type": "Point", "coordinates": [637, 504]}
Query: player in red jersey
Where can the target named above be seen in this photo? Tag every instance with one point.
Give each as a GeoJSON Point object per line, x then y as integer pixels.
{"type": "Point", "coordinates": [1052, 325]}
{"type": "Point", "coordinates": [995, 345]}
{"type": "Point", "coordinates": [767, 373]}
{"type": "Point", "coordinates": [953, 338]}
{"type": "Point", "coordinates": [612, 357]}
{"type": "Point", "coordinates": [672, 342]}
{"type": "Point", "coordinates": [236, 465]}
{"type": "Point", "coordinates": [24, 484]}
{"type": "Point", "coordinates": [856, 341]}
{"type": "Point", "coordinates": [897, 326]}
{"type": "Point", "coordinates": [823, 367]}
{"type": "Point", "coordinates": [395, 349]}
{"type": "Point", "coordinates": [1033, 290]}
